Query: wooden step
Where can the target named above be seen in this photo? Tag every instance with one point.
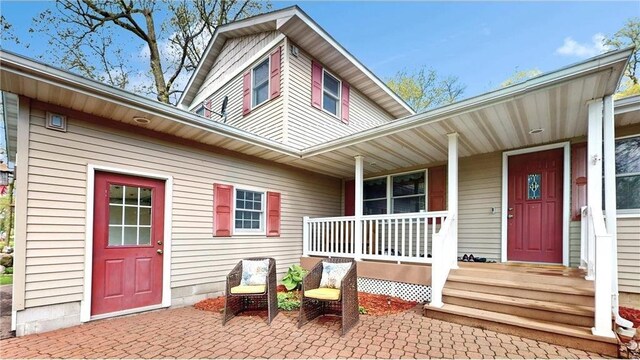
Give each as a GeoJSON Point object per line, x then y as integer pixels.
{"type": "Point", "coordinates": [563, 313]}
{"type": "Point", "coordinates": [553, 293]}
{"type": "Point", "coordinates": [561, 334]}
{"type": "Point", "coordinates": [521, 274]}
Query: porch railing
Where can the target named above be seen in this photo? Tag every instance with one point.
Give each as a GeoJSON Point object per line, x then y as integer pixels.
{"type": "Point", "coordinates": [596, 256]}
{"type": "Point", "coordinates": [444, 257]}
{"type": "Point", "coordinates": [393, 237]}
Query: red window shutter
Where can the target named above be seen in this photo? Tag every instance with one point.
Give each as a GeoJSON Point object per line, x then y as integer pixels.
{"type": "Point", "coordinates": [207, 106]}
{"type": "Point", "coordinates": [274, 83]}
{"type": "Point", "coordinates": [273, 214]}
{"type": "Point", "coordinates": [316, 85]}
{"type": "Point", "coordinates": [222, 207]}
{"type": "Point", "coordinates": [345, 102]}
{"type": "Point", "coordinates": [578, 179]}
{"type": "Point", "coordinates": [246, 94]}
{"type": "Point", "coordinates": [437, 188]}
{"type": "Point", "coordinates": [349, 198]}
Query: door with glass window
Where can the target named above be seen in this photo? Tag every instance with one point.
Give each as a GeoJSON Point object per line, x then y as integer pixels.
{"type": "Point", "coordinates": [128, 243]}
{"type": "Point", "coordinates": [534, 213]}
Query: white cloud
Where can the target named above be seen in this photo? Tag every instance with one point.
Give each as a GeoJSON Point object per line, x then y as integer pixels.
{"type": "Point", "coordinates": [584, 50]}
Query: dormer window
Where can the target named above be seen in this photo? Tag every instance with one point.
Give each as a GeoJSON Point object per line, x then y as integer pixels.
{"type": "Point", "coordinates": [330, 93]}
{"type": "Point", "coordinates": [260, 88]}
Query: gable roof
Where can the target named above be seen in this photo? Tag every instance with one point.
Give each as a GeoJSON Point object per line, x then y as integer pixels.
{"type": "Point", "coordinates": [300, 28]}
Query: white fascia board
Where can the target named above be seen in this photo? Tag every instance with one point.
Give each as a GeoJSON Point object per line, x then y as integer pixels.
{"type": "Point", "coordinates": [474, 103]}
{"type": "Point", "coordinates": [627, 104]}
{"type": "Point", "coordinates": [20, 66]}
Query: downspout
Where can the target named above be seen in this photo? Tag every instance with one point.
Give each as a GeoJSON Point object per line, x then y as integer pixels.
{"type": "Point", "coordinates": [610, 204]}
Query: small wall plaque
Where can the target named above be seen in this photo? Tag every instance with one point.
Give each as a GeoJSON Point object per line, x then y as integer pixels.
{"type": "Point", "coordinates": [56, 122]}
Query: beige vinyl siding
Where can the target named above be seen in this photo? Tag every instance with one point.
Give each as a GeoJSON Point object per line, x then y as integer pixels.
{"type": "Point", "coordinates": [57, 197]}
{"type": "Point", "coordinates": [308, 125]}
{"type": "Point", "coordinates": [265, 120]}
{"type": "Point", "coordinates": [479, 189]}
{"type": "Point", "coordinates": [234, 54]}
{"type": "Point", "coordinates": [629, 254]}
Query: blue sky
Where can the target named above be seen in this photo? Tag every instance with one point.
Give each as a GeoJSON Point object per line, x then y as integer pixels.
{"type": "Point", "coordinates": [481, 43]}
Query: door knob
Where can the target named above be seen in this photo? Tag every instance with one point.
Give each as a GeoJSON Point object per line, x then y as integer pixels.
{"type": "Point", "coordinates": [510, 216]}
{"type": "Point", "coordinates": [159, 251]}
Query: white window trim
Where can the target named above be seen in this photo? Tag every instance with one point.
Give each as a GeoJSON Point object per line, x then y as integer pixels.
{"type": "Point", "coordinates": [339, 104]}
{"type": "Point", "coordinates": [389, 194]}
{"type": "Point", "coordinates": [263, 227]}
{"type": "Point", "coordinates": [268, 60]}
{"type": "Point", "coordinates": [623, 213]}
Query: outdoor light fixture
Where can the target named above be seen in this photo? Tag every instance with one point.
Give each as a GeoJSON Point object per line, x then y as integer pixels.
{"type": "Point", "coordinates": [141, 120]}
{"type": "Point", "coordinates": [536, 131]}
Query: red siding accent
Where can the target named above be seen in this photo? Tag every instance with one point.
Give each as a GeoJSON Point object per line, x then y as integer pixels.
{"type": "Point", "coordinates": [345, 102]}
{"type": "Point", "coordinates": [246, 94]}
{"type": "Point", "coordinates": [578, 179]}
{"type": "Point", "coordinates": [273, 214]}
{"type": "Point", "coordinates": [222, 207]}
{"type": "Point", "coordinates": [274, 83]}
{"type": "Point", "coordinates": [349, 198]}
{"type": "Point", "coordinates": [316, 85]}
{"type": "Point", "coordinates": [437, 188]}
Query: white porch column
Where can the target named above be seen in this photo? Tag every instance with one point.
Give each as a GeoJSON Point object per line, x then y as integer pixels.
{"type": "Point", "coordinates": [452, 194]}
{"type": "Point", "coordinates": [358, 207]}
{"type": "Point", "coordinates": [594, 172]}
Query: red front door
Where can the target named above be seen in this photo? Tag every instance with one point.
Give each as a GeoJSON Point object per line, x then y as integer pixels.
{"type": "Point", "coordinates": [128, 232]}
{"type": "Point", "coordinates": [534, 225]}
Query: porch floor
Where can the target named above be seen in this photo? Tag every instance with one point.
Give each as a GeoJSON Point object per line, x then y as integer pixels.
{"type": "Point", "coordinates": [190, 333]}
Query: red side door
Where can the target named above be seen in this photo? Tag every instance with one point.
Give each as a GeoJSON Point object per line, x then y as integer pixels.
{"type": "Point", "coordinates": [128, 232]}
{"type": "Point", "coordinates": [534, 225]}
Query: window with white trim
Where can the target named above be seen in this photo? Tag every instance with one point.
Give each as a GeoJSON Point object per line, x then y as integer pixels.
{"type": "Point", "coordinates": [330, 93]}
{"type": "Point", "coordinates": [260, 83]}
{"type": "Point", "coordinates": [395, 194]}
{"type": "Point", "coordinates": [628, 173]}
{"type": "Point", "coordinates": [249, 211]}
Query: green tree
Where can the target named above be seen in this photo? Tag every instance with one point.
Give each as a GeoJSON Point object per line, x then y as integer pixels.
{"type": "Point", "coordinates": [627, 36]}
{"type": "Point", "coordinates": [94, 38]}
{"type": "Point", "coordinates": [424, 89]}
{"type": "Point", "coordinates": [519, 76]}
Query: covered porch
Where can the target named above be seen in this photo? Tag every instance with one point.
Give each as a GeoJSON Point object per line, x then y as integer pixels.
{"type": "Point", "coordinates": [476, 144]}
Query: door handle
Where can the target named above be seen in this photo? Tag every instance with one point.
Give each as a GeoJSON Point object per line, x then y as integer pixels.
{"type": "Point", "coordinates": [159, 251]}
{"type": "Point", "coordinates": [159, 242]}
{"type": "Point", "coordinates": [510, 216]}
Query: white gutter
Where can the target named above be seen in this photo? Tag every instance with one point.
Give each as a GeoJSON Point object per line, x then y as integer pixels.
{"type": "Point", "coordinates": [21, 66]}
{"type": "Point", "coordinates": [474, 103]}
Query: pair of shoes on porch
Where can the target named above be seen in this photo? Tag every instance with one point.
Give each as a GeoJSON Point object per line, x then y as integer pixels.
{"type": "Point", "coordinates": [471, 258]}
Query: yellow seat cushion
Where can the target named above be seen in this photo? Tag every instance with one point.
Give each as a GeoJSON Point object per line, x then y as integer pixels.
{"type": "Point", "coordinates": [323, 294]}
{"type": "Point", "coordinates": [248, 289]}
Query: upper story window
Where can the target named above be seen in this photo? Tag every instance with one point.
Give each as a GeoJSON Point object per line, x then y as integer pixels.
{"type": "Point", "coordinates": [628, 173]}
{"type": "Point", "coordinates": [260, 85]}
{"type": "Point", "coordinates": [330, 93]}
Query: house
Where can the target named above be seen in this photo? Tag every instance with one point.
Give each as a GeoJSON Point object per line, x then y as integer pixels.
{"type": "Point", "coordinates": [125, 204]}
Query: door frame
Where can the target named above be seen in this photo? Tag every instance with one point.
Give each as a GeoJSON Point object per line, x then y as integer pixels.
{"type": "Point", "coordinates": [566, 193]}
{"type": "Point", "coordinates": [85, 303]}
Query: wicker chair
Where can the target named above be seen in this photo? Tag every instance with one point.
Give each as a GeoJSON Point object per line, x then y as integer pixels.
{"type": "Point", "coordinates": [347, 304]}
{"type": "Point", "coordinates": [267, 299]}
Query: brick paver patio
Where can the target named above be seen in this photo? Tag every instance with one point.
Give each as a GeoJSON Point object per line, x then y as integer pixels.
{"type": "Point", "coordinates": [191, 333]}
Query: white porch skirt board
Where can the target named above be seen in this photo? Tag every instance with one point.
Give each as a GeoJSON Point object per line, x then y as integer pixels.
{"type": "Point", "coordinates": [405, 291]}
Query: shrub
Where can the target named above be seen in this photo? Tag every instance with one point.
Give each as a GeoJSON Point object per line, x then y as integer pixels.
{"type": "Point", "coordinates": [288, 301]}
{"type": "Point", "coordinates": [8, 271]}
{"type": "Point", "coordinates": [293, 277]}
{"type": "Point", "coordinates": [362, 310]}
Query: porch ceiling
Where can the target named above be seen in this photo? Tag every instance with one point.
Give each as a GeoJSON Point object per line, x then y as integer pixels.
{"type": "Point", "coordinates": [485, 124]}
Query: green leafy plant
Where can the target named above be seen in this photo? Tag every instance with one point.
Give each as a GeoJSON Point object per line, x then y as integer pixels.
{"type": "Point", "coordinates": [362, 310]}
{"type": "Point", "coordinates": [8, 271]}
{"type": "Point", "coordinates": [288, 301]}
{"type": "Point", "coordinates": [293, 278]}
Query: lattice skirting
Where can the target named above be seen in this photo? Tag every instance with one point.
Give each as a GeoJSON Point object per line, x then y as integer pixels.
{"type": "Point", "coordinates": [405, 291]}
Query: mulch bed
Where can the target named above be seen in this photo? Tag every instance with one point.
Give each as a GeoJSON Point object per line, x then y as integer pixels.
{"type": "Point", "coordinates": [632, 315]}
{"type": "Point", "coordinates": [375, 305]}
